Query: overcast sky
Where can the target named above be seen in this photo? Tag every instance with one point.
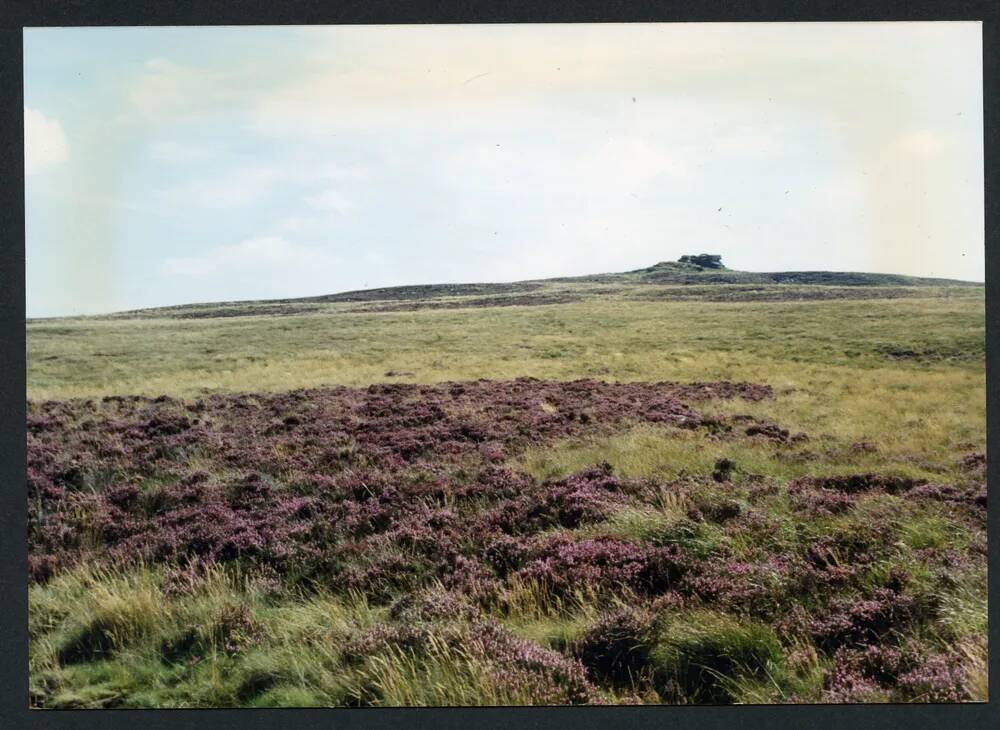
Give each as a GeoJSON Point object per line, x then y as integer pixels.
{"type": "Point", "coordinates": [177, 165]}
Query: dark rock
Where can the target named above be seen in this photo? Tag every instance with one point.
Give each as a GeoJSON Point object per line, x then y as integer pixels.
{"type": "Point", "coordinates": [705, 260]}
{"type": "Point", "coordinates": [723, 469]}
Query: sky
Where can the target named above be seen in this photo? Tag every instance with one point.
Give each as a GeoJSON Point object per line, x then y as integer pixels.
{"type": "Point", "coordinates": [178, 165]}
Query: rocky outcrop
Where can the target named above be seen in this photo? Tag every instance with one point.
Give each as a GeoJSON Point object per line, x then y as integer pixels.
{"type": "Point", "coordinates": [704, 260]}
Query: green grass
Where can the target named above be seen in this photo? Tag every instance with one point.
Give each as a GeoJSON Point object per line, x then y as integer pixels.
{"type": "Point", "coordinates": [906, 374]}
{"type": "Point", "coordinates": [824, 359]}
{"type": "Point", "coordinates": [532, 612]}
{"type": "Point", "coordinates": [700, 656]}
{"type": "Point", "coordinates": [668, 454]}
{"type": "Point", "coordinates": [613, 338]}
{"type": "Point", "coordinates": [107, 638]}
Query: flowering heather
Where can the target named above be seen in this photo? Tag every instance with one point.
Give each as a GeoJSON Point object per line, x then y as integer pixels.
{"type": "Point", "coordinates": [514, 665]}
{"type": "Point", "coordinates": [855, 620]}
{"type": "Point", "coordinates": [949, 493]}
{"type": "Point", "coordinates": [399, 515]}
{"type": "Point", "coordinates": [431, 605]}
{"type": "Point", "coordinates": [975, 463]}
{"type": "Point", "coordinates": [615, 648]}
{"type": "Point", "coordinates": [878, 662]}
{"type": "Point", "coordinates": [382, 637]}
{"type": "Point", "coordinates": [939, 678]}
{"type": "Point", "coordinates": [756, 588]}
{"type": "Point", "coordinates": [905, 674]}
{"type": "Point", "coordinates": [820, 501]}
{"type": "Point", "coordinates": [587, 497]}
{"type": "Point", "coordinates": [525, 666]}
{"type": "Point", "coordinates": [565, 564]}
{"type": "Point", "coordinates": [856, 483]}
{"type": "Point", "coordinates": [770, 431]}
{"type": "Point", "coordinates": [848, 688]}
{"type": "Point", "coordinates": [300, 470]}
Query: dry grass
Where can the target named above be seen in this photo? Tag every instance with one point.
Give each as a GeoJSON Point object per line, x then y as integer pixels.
{"type": "Point", "coordinates": [907, 375]}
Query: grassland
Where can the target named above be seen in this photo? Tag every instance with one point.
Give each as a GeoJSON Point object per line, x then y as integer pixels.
{"type": "Point", "coordinates": [885, 377]}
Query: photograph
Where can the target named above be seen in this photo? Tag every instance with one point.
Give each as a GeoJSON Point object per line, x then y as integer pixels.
{"type": "Point", "coordinates": [505, 364]}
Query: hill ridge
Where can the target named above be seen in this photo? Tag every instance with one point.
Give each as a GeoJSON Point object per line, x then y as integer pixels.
{"type": "Point", "coordinates": [649, 280]}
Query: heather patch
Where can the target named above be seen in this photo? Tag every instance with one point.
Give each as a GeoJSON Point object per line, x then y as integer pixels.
{"type": "Point", "coordinates": [409, 544]}
{"type": "Point", "coordinates": [616, 647]}
{"type": "Point", "coordinates": [905, 674]}
{"type": "Point", "coordinates": [862, 619]}
{"type": "Point", "coordinates": [275, 472]}
{"type": "Point", "coordinates": [482, 653]}
{"type": "Point", "coordinates": [564, 564]}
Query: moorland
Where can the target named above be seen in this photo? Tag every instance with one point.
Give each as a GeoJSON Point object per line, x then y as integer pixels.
{"type": "Point", "coordinates": [680, 484]}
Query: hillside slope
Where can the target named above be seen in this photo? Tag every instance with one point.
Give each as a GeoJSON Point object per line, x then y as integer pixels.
{"type": "Point", "coordinates": [667, 280]}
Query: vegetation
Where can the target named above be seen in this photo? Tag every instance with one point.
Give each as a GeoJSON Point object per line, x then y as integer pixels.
{"type": "Point", "coordinates": [762, 492]}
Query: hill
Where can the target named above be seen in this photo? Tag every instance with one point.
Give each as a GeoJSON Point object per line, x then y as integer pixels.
{"type": "Point", "coordinates": [543, 492]}
{"type": "Point", "coordinates": [642, 324]}
{"type": "Point", "coordinates": [680, 280]}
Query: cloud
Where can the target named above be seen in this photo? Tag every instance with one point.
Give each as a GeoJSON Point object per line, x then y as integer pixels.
{"type": "Point", "coordinates": [264, 267]}
{"type": "Point", "coordinates": [241, 187]}
{"type": "Point", "coordinates": [44, 142]}
{"type": "Point", "coordinates": [244, 185]}
{"type": "Point", "coordinates": [471, 152]}
{"type": "Point", "coordinates": [167, 90]}
{"type": "Point", "coordinates": [330, 200]}
{"type": "Point", "coordinates": [456, 75]}
{"type": "Point", "coordinates": [921, 144]}
{"type": "Point", "coordinates": [178, 153]}
{"type": "Point", "coordinates": [747, 144]}
{"type": "Point", "coordinates": [631, 163]}
{"type": "Point", "coordinates": [271, 254]}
